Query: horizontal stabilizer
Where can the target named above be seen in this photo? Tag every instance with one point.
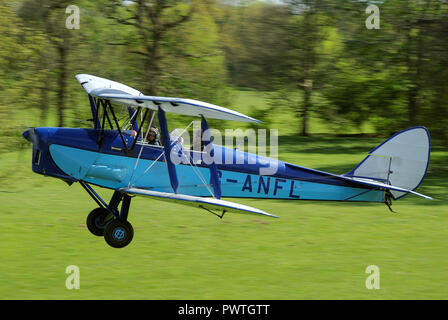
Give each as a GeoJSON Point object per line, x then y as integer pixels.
{"type": "Point", "coordinates": [200, 202]}
{"type": "Point", "coordinates": [382, 185]}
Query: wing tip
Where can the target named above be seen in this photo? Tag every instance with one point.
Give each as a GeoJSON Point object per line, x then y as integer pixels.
{"type": "Point", "coordinates": [269, 215]}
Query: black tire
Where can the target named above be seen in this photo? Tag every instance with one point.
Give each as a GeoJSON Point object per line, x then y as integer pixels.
{"type": "Point", "coordinates": [118, 233]}
{"type": "Point", "coordinates": [97, 220]}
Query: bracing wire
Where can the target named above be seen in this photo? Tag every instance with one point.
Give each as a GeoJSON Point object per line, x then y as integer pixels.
{"type": "Point", "coordinates": [189, 161]}
{"type": "Point", "coordinates": [141, 149]}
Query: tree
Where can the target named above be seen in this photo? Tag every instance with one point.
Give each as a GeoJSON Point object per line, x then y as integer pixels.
{"type": "Point", "coordinates": [390, 71]}
{"type": "Point", "coordinates": [309, 28]}
{"type": "Point", "coordinates": [255, 39]}
{"type": "Point", "coordinates": [152, 20]}
{"type": "Point", "coordinates": [49, 17]}
{"type": "Point", "coordinates": [20, 80]}
{"type": "Point", "coordinates": [194, 63]}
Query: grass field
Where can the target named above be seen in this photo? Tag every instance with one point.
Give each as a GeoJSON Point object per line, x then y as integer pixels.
{"type": "Point", "coordinates": [316, 250]}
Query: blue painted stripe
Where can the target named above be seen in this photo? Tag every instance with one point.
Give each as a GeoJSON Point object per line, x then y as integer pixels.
{"type": "Point", "coordinates": [77, 163]}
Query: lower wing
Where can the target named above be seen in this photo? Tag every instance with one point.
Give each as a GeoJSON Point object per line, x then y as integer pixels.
{"type": "Point", "coordinates": [200, 202]}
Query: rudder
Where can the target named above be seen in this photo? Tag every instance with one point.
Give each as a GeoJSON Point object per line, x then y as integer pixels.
{"type": "Point", "coordinates": [402, 160]}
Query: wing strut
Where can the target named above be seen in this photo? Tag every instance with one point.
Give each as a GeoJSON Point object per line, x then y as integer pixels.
{"type": "Point", "coordinates": [214, 178]}
{"type": "Point", "coordinates": [94, 112]}
{"type": "Point", "coordinates": [167, 148]}
{"type": "Point", "coordinates": [220, 216]}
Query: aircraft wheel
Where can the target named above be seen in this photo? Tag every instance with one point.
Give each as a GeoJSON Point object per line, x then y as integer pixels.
{"type": "Point", "coordinates": [97, 220]}
{"type": "Point", "coordinates": [118, 233]}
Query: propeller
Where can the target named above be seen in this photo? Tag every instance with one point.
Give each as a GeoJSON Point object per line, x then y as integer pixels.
{"type": "Point", "coordinates": [30, 135]}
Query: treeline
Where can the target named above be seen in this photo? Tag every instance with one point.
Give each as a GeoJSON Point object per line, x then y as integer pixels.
{"type": "Point", "coordinates": [316, 57]}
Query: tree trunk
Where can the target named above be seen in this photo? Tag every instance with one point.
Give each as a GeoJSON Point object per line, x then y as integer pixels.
{"type": "Point", "coordinates": [44, 101]}
{"type": "Point", "coordinates": [413, 105]}
{"type": "Point", "coordinates": [152, 28]}
{"type": "Point", "coordinates": [62, 82]}
{"type": "Point", "coordinates": [308, 65]}
{"type": "Point", "coordinates": [152, 65]}
{"type": "Point", "coordinates": [308, 88]}
{"type": "Point", "coordinates": [415, 68]}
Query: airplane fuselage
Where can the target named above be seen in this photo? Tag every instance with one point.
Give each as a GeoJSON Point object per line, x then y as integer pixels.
{"type": "Point", "coordinates": [74, 154]}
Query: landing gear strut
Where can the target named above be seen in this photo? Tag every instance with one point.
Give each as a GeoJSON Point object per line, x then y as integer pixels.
{"type": "Point", "coordinates": [107, 221]}
{"type": "Point", "coordinates": [119, 232]}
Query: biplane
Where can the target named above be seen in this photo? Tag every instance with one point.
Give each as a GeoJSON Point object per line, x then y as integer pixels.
{"type": "Point", "coordinates": [126, 159]}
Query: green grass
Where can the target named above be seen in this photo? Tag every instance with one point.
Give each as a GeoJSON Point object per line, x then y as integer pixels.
{"type": "Point", "coordinates": [316, 250]}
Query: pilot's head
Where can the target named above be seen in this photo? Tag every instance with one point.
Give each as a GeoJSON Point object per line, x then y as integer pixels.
{"type": "Point", "coordinates": [152, 134]}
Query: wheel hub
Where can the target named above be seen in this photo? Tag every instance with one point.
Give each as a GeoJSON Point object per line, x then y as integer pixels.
{"type": "Point", "coordinates": [119, 234]}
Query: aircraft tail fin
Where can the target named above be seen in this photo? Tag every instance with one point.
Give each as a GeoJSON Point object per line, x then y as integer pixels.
{"type": "Point", "coordinates": [402, 161]}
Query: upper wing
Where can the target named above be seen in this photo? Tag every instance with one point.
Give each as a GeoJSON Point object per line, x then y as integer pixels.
{"type": "Point", "coordinates": [207, 203]}
{"type": "Point", "coordinates": [91, 83]}
{"type": "Point", "coordinates": [124, 95]}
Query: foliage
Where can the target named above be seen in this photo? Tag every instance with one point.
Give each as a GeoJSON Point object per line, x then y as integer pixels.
{"type": "Point", "coordinates": [316, 57]}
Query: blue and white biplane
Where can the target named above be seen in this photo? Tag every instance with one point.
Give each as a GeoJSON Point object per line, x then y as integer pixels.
{"type": "Point", "coordinates": [125, 160]}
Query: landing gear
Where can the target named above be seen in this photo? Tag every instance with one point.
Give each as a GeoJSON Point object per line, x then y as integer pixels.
{"type": "Point", "coordinates": [107, 221]}
{"type": "Point", "coordinates": [118, 233]}
{"type": "Point", "coordinates": [97, 220]}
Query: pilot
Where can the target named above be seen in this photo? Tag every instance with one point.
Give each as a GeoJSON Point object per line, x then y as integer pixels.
{"type": "Point", "coordinates": [131, 133]}
{"type": "Point", "coordinates": [153, 136]}
{"type": "Point", "coordinates": [198, 143]}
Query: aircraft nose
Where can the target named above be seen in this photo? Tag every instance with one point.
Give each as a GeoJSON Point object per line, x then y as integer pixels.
{"type": "Point", "coordinates": [30, 135]}
{"type": "Point", "coordinates": [37, 136]}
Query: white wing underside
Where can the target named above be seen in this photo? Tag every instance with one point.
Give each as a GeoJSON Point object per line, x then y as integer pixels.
{"type": "Point", "coordinates": [124, 95]}
{"type": "Point", "coordinates": [200, 202]}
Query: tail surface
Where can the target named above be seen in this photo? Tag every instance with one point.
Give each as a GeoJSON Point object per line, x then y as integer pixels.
{"type": "Point", "coordinates": [400, 161]}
